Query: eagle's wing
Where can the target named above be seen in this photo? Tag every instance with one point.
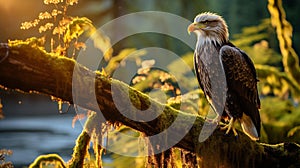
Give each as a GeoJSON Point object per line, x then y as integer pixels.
{"type": "Point", "coordinates": [242, 82]}
{"type": "Point", "coordinates": [197, 71]}
{"type": "Point", "coordinates": [211, 78]}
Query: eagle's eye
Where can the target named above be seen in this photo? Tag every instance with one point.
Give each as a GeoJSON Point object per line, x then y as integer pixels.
{"type": "Point", "coordinates": [205, 22]}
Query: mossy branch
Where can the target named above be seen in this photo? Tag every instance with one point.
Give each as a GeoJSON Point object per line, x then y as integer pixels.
{"type": "Point", "coordinates": [30, 69]}
{"type": "Point", "coordinates": [80, 150]}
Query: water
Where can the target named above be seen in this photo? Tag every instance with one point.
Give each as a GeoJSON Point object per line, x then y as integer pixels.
{"type": "Point", "coordinates": [29, 137]}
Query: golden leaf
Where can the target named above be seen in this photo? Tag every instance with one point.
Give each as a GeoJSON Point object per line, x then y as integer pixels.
{"type": "Point", "coordinates": [55, 12]}
{"type": "Point", "coordinates": [45, 15]}
{"type": "Point", "coordinates": [26, 25]}
{"type": "Point", "coordinates": [52, 1]}
{"type": "Point", "coordinates": [46, 27]}
{"type": "Point", "coordinates": [72, 2]}
{"type": "Point", "coordinates": [79, 45]}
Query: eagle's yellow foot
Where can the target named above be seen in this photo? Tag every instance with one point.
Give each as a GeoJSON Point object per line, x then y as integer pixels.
{"type": "Point", "coordinates": [230, 126]}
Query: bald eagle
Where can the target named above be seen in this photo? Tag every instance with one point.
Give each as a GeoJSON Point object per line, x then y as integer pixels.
{"type": "Point", "coordinates": [221, 67]}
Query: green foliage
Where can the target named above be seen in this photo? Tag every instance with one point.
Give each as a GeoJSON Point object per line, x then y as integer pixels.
{"type": "Point", "coordinates": [275, 82]}
{"type": "Point", "coordinates": [255, 41]}
{"type": "Point", "coordinates": [115, 61]}
{"type": "Point", "coordinates": [55, 22]}
{"type": "Point", "coordinates": [280, 120]}
{"type": "Point", "coordinates": [63, 32]}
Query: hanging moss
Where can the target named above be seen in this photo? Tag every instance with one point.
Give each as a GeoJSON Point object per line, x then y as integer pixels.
{"type": "Point", "coordinates": [80, 150]}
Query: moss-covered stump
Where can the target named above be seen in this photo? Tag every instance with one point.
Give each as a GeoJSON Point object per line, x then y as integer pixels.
{"type": "Point", "coordinates": [51, 160]}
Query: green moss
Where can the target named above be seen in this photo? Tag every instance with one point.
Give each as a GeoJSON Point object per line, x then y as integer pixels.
{"type": "Point", "coordinates": [274, 109]}
{"type": "Point", "coordinates": [50, 159]}
{"type": "Point", "coordinates": [278, 118]}
{"type": "Point", "coordinates": [229, 151]}
{"type": "Point", "coordinates": [80, 150]}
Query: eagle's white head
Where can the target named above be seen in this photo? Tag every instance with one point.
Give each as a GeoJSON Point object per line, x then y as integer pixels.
{"type": "Point", "coordinates": [209, 27]}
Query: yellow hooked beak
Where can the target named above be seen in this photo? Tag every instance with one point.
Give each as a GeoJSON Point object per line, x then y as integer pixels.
{"type": "Point", "coordinates": [195, 26]}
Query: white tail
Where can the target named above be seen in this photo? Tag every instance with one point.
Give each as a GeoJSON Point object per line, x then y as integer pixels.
{"type": "Point", "coordinates": [249, 127]}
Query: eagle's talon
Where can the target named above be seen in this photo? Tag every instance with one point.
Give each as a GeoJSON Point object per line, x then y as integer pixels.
{"type": "Point", "coordinates": [222, 124]}
{"type": "Point", "coordinates": [235, 133]}
{"type": "Point", "coordinates": [229, 127]}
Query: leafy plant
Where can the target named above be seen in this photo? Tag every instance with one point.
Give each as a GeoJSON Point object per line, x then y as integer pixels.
{"type": "Point", "coordinates": [3, 162]}
{"type": "Point", "coordinates": [59, 29]}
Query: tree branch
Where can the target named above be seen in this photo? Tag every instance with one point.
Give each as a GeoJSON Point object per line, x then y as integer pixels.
{"type": "Point", "coordinates": [30, 69]}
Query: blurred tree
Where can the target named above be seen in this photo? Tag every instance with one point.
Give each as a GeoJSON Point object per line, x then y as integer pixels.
{"type": "Point", "coordinates": [239, 13]}
{"type": "Point", "coordinates": [284, 30]}
{"type": "Point", "coordinates": [292, 8]}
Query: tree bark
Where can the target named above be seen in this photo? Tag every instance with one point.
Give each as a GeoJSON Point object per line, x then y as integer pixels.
{"type": "Point", "coordinates": [27, 68]}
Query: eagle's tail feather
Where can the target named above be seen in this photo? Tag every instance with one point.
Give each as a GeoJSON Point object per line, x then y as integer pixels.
{"type": "Point", "coordinates": [249, 127]}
